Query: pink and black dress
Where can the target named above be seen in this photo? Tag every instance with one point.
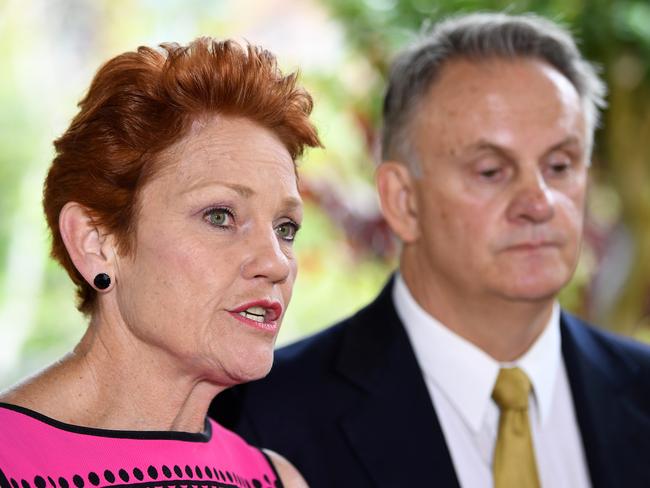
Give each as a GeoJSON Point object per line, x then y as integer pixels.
{"type": "Point", "coordinates": [39, 452]}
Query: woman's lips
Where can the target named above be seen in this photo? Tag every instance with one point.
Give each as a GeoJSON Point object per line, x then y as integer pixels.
{"type": "Point", "coordinates": [260, 314]}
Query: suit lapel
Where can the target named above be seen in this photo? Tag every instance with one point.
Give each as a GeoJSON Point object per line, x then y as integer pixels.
{"type": "Point", "coordinates": [395, 433]}
{"type": "Point", "coordinates": [608, 420]}
{"type": "Point", "coordinates": [394, 429]}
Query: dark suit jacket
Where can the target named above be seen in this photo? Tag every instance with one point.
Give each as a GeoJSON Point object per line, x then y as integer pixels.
{"type": "Point", "coordinates": [349, 406]}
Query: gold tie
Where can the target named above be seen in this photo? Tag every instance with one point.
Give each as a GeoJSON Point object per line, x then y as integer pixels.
{"type": "Point", "coordinates": [514, 459]}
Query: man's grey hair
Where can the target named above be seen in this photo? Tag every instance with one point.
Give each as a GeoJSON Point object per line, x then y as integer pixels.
{"type": "Point", "coordinates": [479, 37]}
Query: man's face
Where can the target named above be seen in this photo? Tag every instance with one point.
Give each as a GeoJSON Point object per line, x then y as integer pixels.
{"type": "Point", "coordinates": [500, 201]}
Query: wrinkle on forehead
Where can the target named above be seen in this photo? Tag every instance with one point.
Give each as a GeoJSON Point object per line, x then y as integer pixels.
{"type": "Point", "coordinates": [500, 100]}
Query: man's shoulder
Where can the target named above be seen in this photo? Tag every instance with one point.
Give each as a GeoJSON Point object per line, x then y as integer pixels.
{"type": "Point", "coordinates": [610, 343]}
{"type": "Point", "coordinates": [314, 349]}
{"type": "Point", "coordinates": [313, 359]}
{"type": "Point", "coordinates": [619, 358]}
{"type": "Point", "coordinates": [321, 364]}
{"type": "Point", "coordinates": [350, 336]}
{"type": "Point", "coordinates": [303, 375]}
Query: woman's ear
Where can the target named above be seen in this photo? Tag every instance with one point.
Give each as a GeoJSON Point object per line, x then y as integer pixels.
{"type": "Point", "coordinates": [397, 197]}
{"type": "Point", "coordinates": [90, 250]}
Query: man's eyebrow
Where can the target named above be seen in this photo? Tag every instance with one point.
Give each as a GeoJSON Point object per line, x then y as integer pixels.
{"type": "Point", "coordinates": [569, 141]}
{"type": "Point", "coordinates": [484, 145]}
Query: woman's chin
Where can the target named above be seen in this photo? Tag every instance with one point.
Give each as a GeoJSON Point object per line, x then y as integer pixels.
{"type": "Point", "coordinates": [248, 367]}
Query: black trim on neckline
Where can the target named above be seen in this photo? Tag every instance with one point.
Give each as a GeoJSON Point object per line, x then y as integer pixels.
{"type": "Point", "coordinates": [204, 436]}
{"type": "Point", "coordinates": [279, 484]}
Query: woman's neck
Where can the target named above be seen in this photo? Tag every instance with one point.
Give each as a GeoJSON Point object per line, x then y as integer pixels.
{"type": "Point", "coordinates": [113, 380]}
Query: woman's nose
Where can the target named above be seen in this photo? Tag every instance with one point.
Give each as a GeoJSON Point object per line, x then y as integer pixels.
{"type": "Point", "coordinates": [266, 259]}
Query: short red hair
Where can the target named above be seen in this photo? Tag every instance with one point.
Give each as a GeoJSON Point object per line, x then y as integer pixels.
{"type": "Point", "coordinates": [142, 102]}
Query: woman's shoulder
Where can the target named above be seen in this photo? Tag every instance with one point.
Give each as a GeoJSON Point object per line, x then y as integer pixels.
{"type": "Point", "coordinates": [49, 391]}
{"type": "Point", "coordinates": [17, 421]}
{"type": "Point", "coordinates": [233, 445]}
{"type": "Point", "coordinates": [287, 472]}
{"type": "Point", "coordinates": [34, 446]}
{"type": "Point", "coordinates": [275, 468]}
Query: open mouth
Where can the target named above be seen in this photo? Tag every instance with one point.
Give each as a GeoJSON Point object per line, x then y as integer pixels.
{"type": "Point", "coordinates": [258, 314]}
{"type": "Point", "coordinates": [263, 314]}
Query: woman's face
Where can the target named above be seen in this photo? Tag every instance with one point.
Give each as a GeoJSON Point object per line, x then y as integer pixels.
{"type": "Point", "coordinates": [211, 274]}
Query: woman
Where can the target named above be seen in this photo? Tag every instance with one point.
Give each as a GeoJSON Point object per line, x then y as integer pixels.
{"type": "Point", "coordinates": [173, 205]}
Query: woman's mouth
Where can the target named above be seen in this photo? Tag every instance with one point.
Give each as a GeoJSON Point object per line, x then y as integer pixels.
{"type": "Point", "coordinates": [260, 314]}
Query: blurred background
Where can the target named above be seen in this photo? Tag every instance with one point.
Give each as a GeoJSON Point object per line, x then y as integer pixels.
{"type": "Point", "coordinates": [50, 49]}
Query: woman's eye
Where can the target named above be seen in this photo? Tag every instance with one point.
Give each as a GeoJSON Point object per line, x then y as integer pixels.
{"type": "Point", "coordinates": [218, 217]}
{"type": "Point", "coordinates": [287, 231]}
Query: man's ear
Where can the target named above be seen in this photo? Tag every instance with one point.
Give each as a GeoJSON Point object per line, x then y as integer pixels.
{"type": "Point", "coordinates": [90, 250]}
{"type": "Point", "coordinates": [396, 190]}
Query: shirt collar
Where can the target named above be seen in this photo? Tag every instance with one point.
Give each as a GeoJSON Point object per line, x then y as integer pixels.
{"type": "Point", "coordinates": [465, 373]}
{"type": "Point", "coordinates": [541, 363]}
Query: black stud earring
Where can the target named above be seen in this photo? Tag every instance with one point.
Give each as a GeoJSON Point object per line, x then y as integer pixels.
{"type": "Point", "coordinates": [102, 281]}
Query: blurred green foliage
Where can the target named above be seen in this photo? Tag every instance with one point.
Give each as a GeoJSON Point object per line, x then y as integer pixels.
{"type": "Point", "coordinates": [49, 51]}
{"type": "Point", "coordinates": [612, 283]}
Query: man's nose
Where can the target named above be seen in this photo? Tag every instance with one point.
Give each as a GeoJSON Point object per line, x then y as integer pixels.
{"type": "Point", "coordinates": [266, 258]}
{"type": "Point", "coordinates": [533, 200]}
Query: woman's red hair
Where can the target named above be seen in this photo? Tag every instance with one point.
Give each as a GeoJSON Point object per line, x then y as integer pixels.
{"type": "Point", "coordinates": [141, 103]}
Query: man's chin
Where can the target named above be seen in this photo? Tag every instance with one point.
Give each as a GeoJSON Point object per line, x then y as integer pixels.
{"type": "Point", "coordinates": [532, 280]}
{"type": "Point", "coordinates": [534, 289]}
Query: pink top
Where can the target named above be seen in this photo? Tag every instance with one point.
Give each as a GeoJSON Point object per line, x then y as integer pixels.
{"type": "Point", "coordinates": [38, 452]}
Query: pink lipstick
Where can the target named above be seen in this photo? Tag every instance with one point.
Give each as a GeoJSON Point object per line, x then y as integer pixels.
{"type": "Point", "coordinates": [260, 314]}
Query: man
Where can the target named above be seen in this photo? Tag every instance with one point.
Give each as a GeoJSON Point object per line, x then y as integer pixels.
{"type": "Point", "coordinates": [464, 371]}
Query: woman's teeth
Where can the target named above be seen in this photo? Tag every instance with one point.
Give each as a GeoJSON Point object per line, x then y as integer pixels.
{"type": "Point", "coordinates": [254, 313]}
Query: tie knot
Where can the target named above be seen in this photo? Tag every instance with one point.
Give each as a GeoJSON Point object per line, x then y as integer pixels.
{"type": "Point", "coordinates": [511, 389]}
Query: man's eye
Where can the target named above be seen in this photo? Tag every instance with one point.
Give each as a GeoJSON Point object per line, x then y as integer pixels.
{"type": "Point", "coordinates": [218, 217]}
{"type": "Point", "coordinates": [490, 173]}
{"type": "Point", "coordinates": [287, 231]}
{"type": "Point", "coordinates": [560, 167]}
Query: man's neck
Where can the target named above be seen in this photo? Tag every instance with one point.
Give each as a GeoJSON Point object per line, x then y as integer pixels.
{"type": "Point", "coordinates": [503, 328]}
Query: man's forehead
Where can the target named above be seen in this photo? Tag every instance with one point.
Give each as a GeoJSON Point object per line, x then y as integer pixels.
{"type": "Point", "coordinates": [508, 103]}
{"type": "Point", "coordinates": [462, 79]}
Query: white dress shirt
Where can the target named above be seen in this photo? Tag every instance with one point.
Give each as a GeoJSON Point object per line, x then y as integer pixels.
{"type": "Point", "coordinates": [460, 378]}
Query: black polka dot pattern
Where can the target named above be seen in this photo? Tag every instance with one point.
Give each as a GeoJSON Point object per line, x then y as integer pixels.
{"type": "Point", "coordinates": [109, 476]}
{"type": "Point", "coordinates": [93, 478]}
{"type": "Point", "coordinates": [151, 476]}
